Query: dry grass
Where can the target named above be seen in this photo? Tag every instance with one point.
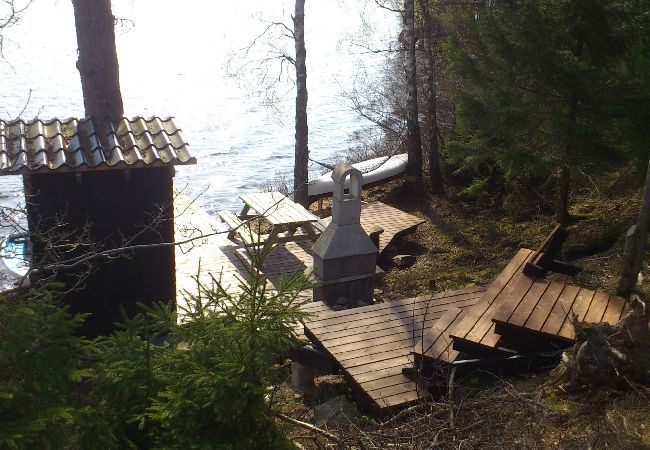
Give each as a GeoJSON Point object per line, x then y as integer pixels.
{"type": "Point", "coordinates": [500, 414]}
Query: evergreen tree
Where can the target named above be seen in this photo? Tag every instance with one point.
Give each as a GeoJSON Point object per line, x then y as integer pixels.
{"type": "Point", "coordinates": [542, 80]}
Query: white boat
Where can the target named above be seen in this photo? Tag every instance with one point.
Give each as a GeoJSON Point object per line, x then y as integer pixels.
{"type": "Point", "coordinates": [375, 171]}
{"type": "Point", "coordinates": [16, 253]}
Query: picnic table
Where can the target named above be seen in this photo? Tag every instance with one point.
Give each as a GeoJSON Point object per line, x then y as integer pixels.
{"type": "Point", "coordinates": [284, 216]}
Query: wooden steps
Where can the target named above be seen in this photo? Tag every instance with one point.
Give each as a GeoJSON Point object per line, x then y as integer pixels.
{"type": "Point", "coordinates": [474, 334]}
{"type": "Point", "coordinates": [518, 313]}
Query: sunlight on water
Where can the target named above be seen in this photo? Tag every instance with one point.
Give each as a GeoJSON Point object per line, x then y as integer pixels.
{"type": "Point", "coordinates": [173, 58]}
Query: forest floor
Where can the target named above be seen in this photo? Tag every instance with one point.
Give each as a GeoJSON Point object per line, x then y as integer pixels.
{"type": "Point", "coordinates": [461, 245]}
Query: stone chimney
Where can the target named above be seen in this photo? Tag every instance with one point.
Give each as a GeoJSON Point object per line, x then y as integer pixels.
{"type": "Point", "coordinates": [344, 256]}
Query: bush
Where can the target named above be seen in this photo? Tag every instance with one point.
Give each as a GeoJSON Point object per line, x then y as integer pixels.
{"type": "Point", "coordinates": [201, 383]}
{"type": "Point", "coordinates": [41, 370]}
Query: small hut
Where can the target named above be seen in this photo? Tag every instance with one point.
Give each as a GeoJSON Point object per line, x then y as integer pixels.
{"type": "Point", "coordinates": [94, 185]}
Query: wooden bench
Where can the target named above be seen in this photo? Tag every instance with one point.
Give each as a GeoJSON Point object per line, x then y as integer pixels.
{"type": "Point", "coordinates": [239, 228]}
{"type": "Point", "coordinates": [543, 259]}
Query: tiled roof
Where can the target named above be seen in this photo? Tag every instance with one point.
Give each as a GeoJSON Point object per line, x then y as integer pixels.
{"type": "Point", "coordinates": [89, 144]}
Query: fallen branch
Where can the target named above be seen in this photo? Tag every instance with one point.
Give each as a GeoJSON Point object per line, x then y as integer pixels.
{"type": "Point", "coordinates": [309, 426]}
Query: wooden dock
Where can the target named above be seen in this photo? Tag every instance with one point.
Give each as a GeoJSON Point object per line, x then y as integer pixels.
{"type": "Point", "coordinates": [517, 314]}
{"type": "Point", "coordinates": [372, 344]}
{"type": "Point", "coordinates": [208, 253]}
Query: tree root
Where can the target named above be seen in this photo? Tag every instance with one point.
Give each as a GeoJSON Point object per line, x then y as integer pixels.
{"type": "Point", "coordinates": [608, 356]}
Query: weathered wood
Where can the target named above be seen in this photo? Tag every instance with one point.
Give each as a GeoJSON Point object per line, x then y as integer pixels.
{"type": "Point", "coordinates": [474, 314]}
{"type": "Point", "coordinates": [238, 228]}
{"type": "Point", "coordinates": [372, 344]}
{"type": "Point", "coordinates": [544, 306]}
{"type": "Point", "coordinates": [562, 306]}
{"type": "Point", "coordinates": [544, 258]}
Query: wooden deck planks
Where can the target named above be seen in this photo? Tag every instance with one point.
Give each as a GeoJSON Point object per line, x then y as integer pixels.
{"type": "Point", "coordinates": [544, 306]}
{"type": "Point", "coordinates": [436, 344]}
{"type": "Point", "coordinates": [477, 321]}
{"type": "Point", "coordinates": [546, 310]}
{"type": "Point", "coordinates": [372, 344]}
{"type": "Point", "coordinates": [563, 305]}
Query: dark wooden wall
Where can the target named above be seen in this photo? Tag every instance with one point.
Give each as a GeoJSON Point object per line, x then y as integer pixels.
{"type": "Point", "coordinates": [109, 202]}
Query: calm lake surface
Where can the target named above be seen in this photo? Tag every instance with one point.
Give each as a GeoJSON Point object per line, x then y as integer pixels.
{"type": "Point", "coordinates": [173, 57]}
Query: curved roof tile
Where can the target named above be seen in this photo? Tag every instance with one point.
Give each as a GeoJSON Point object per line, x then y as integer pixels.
{"type": "Point", "coordinates": [90, 144]}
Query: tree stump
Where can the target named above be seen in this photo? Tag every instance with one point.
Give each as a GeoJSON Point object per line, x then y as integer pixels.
{"type": "Point", "coordinates": [609, 356]}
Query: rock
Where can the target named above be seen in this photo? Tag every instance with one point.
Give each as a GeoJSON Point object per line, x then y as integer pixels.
{"type": "Point", "coordinates": [337, 411]}
{"type": "Point", "coordinates": [403, 261]}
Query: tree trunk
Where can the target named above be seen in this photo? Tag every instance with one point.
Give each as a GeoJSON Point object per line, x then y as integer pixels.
{"type": "Point", "coordinates": [300, 173]}
{"type": "Point", "coordinates": [97, 61]}
{"type": "Point", "coordinates": [562, 215]}
{"type": "Point", "coordinates": [635, 245]}
{"type": "Point", "coordinates": [435, 172]}
{"type": "Point", "coordinates": [414, 142]}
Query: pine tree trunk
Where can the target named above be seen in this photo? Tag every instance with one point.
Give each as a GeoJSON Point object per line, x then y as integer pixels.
{"type": "Point", "coordinates": [97, 61]}
{"type": "Point", "coordinates": [435, 172]}
{"type": "Point", "coordinates": [635, 245]}
{"type": "Point", "coordinates": [300, 172]}
{"type": "Point", "coordinates": [562, 202]}
{"type": "Point", "coordinates": [414, 141]}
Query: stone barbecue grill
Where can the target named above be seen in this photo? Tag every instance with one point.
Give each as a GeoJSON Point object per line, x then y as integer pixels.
{"type": "Point", "coordinates": [344, 256]}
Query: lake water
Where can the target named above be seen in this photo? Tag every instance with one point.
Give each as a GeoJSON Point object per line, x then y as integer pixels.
{"type": "Point", "coordinates": [173, 58]}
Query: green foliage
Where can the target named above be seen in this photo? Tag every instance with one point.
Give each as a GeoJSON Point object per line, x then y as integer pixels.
{"type": "Point", "coordinates": [220, 365]}
{"type": "Point", "coordinates": [203, 383]}
{"type": "Point", "coordinates": [40, 370]}
{"type": "Point", "coordinates": [542, 84]}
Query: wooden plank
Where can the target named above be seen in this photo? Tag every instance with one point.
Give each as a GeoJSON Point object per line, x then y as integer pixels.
{"type": "Point", "coordinates": [580, 308]}
{"type": "Point", "coordinates": [544, 306]}
{"type": "Point", "coordinates": [520, 315]}
{"type": "Point", "coordinates": [434, 333]}
{"type": "Point", "coordinates": [365, 361]}
{"type": "Point", "coordinates": [562, 307]}
{"type": "Point", "coordinates": [382, 370]}
{"type": "Point", "coordinates": [614, 309]}
{"type": "Point", "coordinates": [353, 335]}
{"type": "Point", "coordinates": [440, 298]}
{"type": "Point", "coordinates": [398, 400]}
{"type": "Point", "coordinates": [443, 349]}
{"type": "Point", "coordinates": [402, 342]}
{"type": "Point", "coordinates": [597, 308]}
{"type": "Point", "coordinates": [381, 314]}
{"type": "Point", "coordinates": [378, 337]}
{"type": "Point", "coordinates": [475, 313]}
{"type": "Point", "coordinates": [404, 388]}
{"type": "Point", "coordinates": [511, 294]}
{"type": "Point", "coordinates": [390, 380]}
{"type": "Point", "coordinates": [385, 321]}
